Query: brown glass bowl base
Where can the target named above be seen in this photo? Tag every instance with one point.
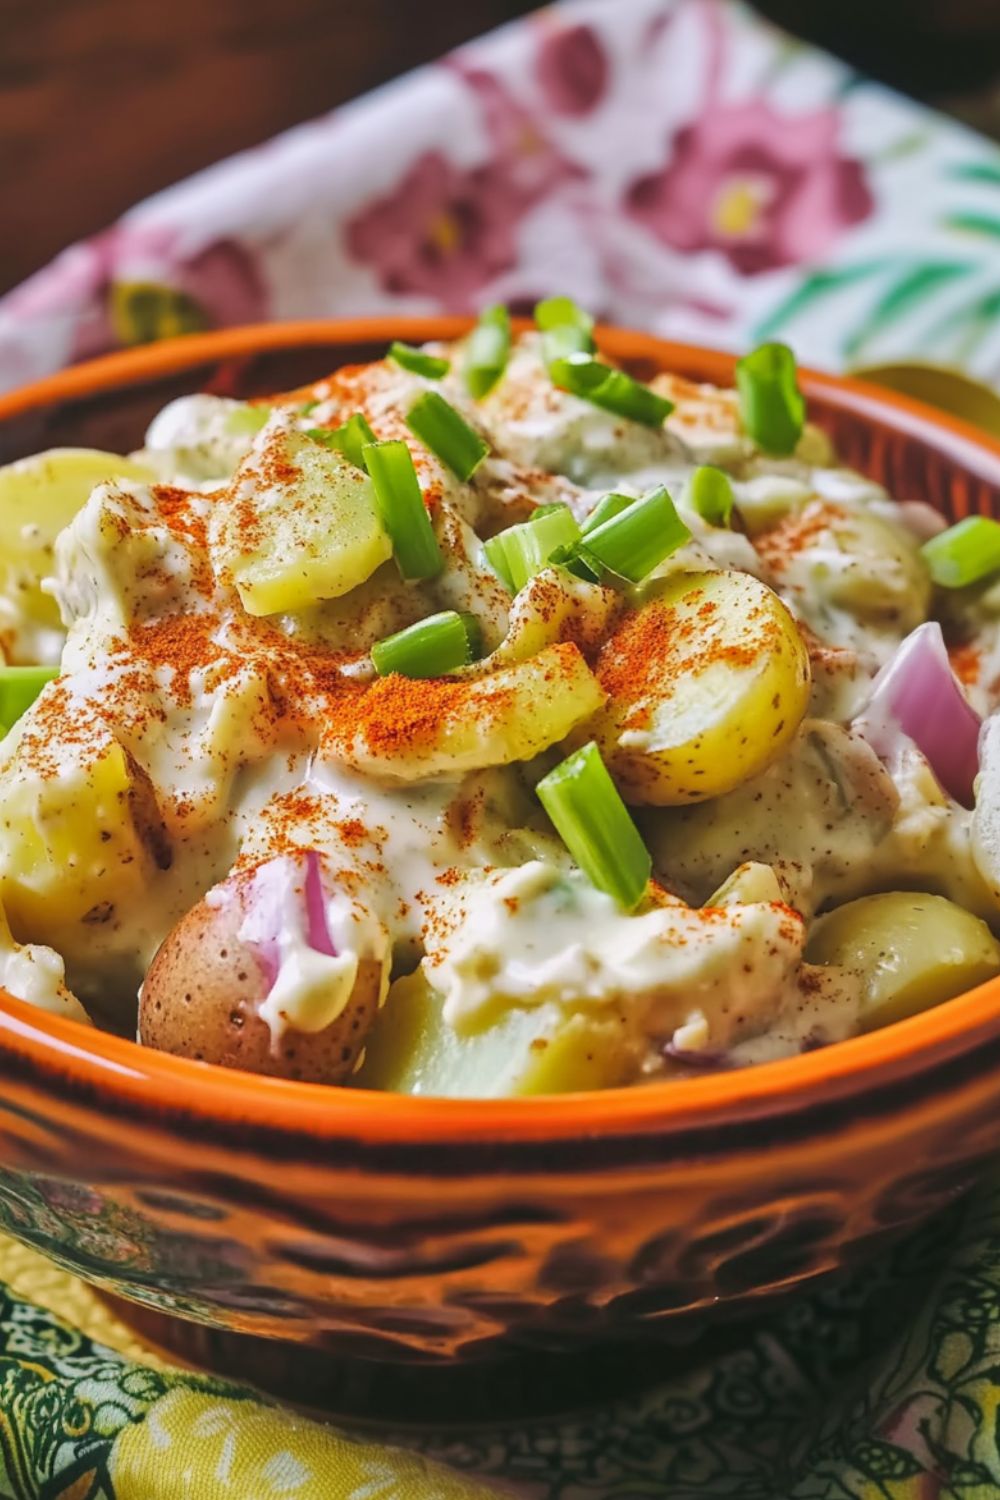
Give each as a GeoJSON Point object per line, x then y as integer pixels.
{"type": "Point", "coordinates": [527, 1384]}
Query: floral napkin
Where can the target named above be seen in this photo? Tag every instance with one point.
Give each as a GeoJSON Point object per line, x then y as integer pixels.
{"type": "Point", "coordinates": [679, 166]}
{"type": "Point", "coordinates": [675, 165]}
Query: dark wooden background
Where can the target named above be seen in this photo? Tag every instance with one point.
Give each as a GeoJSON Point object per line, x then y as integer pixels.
{"type": "Point", "coordinates": [104, 101]}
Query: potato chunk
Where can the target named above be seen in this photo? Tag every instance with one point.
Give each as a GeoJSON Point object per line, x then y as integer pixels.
{"type": "Point", "coordinates": [707, 683]}
{"type": "Point", "coordinates": [534, 1050]}
{"type": "Point", "coordinates": [913, 951]}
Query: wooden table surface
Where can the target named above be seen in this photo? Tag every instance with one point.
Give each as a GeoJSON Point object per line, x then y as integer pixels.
{"type": "Point", "coordinates": [105, 101]}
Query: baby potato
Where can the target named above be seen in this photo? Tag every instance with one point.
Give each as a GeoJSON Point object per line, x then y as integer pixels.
{"type": "Point", "coordinates": [913, 951]}
{"type": "Point", "coordinates": [707, 683]}
{"type": "Point", "coordinates": [204, 990]}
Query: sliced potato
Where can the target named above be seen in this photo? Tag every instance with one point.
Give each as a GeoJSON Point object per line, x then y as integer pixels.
{"type": "Point", "coordinates": [913, 951]}
{"type": "Point", "coordinates": [39, 496]}
{"type": "Point", "coordinates": [298, 524]}
{"type": "Point", "coordinates": [536, 1050]}
{"type": "Point", "coordinates": [706, 685]}
{"type": "Point", "coordinates": [447, 726]}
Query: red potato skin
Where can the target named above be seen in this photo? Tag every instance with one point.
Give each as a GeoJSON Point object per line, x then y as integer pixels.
{"type": "Point", "coordinates": [200, 1000]}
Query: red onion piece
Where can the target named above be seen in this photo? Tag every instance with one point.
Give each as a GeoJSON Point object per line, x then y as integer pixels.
{"type": "Point", "coordinates": [267, 909]}
{"type": "Point", "coordinates": [917, 696]}
{"type": "Point", "coordinates": [317, 929]}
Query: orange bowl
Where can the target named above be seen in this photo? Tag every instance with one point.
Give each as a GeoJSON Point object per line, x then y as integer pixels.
{"type": "Point", "coordinates": [475, 1243]}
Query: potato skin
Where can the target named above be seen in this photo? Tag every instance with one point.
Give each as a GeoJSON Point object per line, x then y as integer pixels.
{"type": "Point", "coordinates": [200, 1000]}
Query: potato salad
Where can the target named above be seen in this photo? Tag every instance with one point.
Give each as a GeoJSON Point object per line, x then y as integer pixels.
{"type": "Point", "coordinates": [484, 721]}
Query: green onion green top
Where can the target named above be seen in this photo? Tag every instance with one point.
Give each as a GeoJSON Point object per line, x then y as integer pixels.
{"type": "Point", "coordinates": [610, 389]}
{"type": "Point", "coordinates": [445, 432]}
{"type": "Point", "coordinates": [596, 826]}
{"type": "Point", "coordinates": [518, 553]}
{"type": "Point", "coordinates": [401, 506]}
{"type": "Point", "coordinates": [19, 687]}
{"type": "Point", "coordinates": [562, 312]}
{"type": "Point", "coordinates": [487, 350]}
{"type": "Point", "coordinates": [965, 553]}
{"type": "Point", "coordinates": [771, 405]}
{"type": "Point", "coordinates": [636, 540]}
{"type": "Point", "coordinates": [349, 440]}
{"type": "Point", "coordinates": [711, 495]}
{"type": "Point", "coordinates": [606, 507]}
{"type": "Point", "coordinates": [432, 647]}
{"type": "Point", "coordinates": [418, 361]}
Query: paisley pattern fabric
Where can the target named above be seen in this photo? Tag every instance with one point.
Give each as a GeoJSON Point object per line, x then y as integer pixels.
{"type": "Point", "coordinates": [675, 165]}
{"type": "Point", "coordinates": [885, 1386]}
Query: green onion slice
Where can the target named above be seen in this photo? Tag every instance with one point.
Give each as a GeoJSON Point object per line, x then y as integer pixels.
{"type": "Point", "coordinates": [249, 418]}
{"type": "Point", "coordinates": [432, 647]}
{"type": "Point", "coordinates": [562, 312]}
{"type": "Point", "coordinates": [634, 542]}
{"type": "Point", "coordinates": [711, 495]}
{"type": "Point", "coordinates": [441, 429]}
{"type": "Point", "coordinates": [520, 552]}
{"type": "Point", "coordinates": [610, 389]}
{"type": "Point", "coordinates": [611, 505]}
{"type": "Point", "coordinates": [418, 361]}
{"type": "Point", "coordinates": [596, 826]}
{"type": "Point", "coordinates": [965, 553]}
{"type": "Point", "coordinates": [772, 407]}
{"type": "Point", "coordinates": [401, 506]}
{"type": "Point", "coordinates": [349, 440]}
{"type": "Point", "coordinates": [560, 344]}
{"type": "Point", "coordinates": [19, 687]}
{"type": "Point", "coordinates": [487, 350]}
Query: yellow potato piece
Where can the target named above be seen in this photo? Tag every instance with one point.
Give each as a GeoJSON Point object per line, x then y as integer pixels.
{"type": "Point", "coordinates": [447, 726]}
{"type": "Point", "coordinates": [707, 683]}
{"type": "Point", "coordinates": [913, 951]}
{"type": "Point", "coordinates": [534, 1050]}
{"type": "Point", "coordinates": [299, 524]}
{"type": "Point", "coordinates": [39, 496]}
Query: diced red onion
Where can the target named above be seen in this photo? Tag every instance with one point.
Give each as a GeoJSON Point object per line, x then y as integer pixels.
{"type": "Point", "coordinates": [317, 928]}
{"type": "Point", "coordinates": [267, 909]}
{"type": "Point", "coordinates": [923, 520]}
{"type": "Point", "coordinates": [917, 696]}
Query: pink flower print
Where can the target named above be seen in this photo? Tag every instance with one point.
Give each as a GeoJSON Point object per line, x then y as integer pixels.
{"type": "Point", "coordinates": [572, 70]}
{"type": "Point", "coordinates": [442, 232]}
{"type": "Point", "coordinates": [764, 189]}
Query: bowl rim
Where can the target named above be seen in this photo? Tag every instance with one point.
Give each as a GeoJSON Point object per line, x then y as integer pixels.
{"type": "Point", "coordinates": [96, 1061]}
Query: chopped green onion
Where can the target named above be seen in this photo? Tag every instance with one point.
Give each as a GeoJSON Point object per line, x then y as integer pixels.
{"type": "Point", "coordinates": [610, 389]}
{"type": "Point", "coordinates": [611, 505]}
{"type": "Point", "coordinates": [487, 350]}
{"type": "Point", "coordinates": [771, 405]}
{"type": "Point", "coordinates": [520, 552]}
{"type": "Point", "coordinates": [965, 553]}
{"type": "Point", "coordinates": [349, 440]}
{"type": "Point", "coordinates": [711, 495]}
{"type": "Point", "coordinates": [441, 429]}
{"type": "Point", "coordinates": [432, 647]}
{"type": "Point", "coordinates": [19, 687]}
{"type": "Point", "coordinates": [562, 312]}
{"type": "Point", "coordinates": [636, 541]}
{"type": "Point", "coordinates": [559, 344]}
{"type": "Point", "coordinates": [418, 361]}
{"type": "Point", "coordinates": [596, 826]}
{"type": "Point", "coordinates": [248, 418]}
{"type": "Point", "coordinates": [401, 506]}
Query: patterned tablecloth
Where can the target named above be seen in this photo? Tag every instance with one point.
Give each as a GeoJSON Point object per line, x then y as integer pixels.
{"type": "Point", "coordinates": [672, 164]}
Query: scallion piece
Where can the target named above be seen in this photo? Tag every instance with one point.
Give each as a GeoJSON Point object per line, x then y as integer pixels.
{"type": "Point", "coordinates": [610, 389]}
{"type": "Point", "coordinates": [562, 312]}
{"type": "Point", "coordinates": [772, 407]}
{"type": "Point", "coordinates": [596, 826]}
{"type": "Point", "coordinates": [965, 553]}
{"type": "Point", "coordinates": [19, 687]}
{"type": "Point", "coordinates": [248, 418]}
{"type": "Point", "coordinates": [445, 432]}
{"type": "Point", "coordinates": [520, 552]}
{"type": "Point", "coordinates": [349, 440]}
{"type": "Point", "coordinates": [559, 344]}
{"type": "Point", "coordinates": [711, 495]}
{"type": "Point", "coordinates": [432, 647]}
{"type": "Point", "coordinates": [487, 350]}
{"type": "Point", "coordinates": [418, 361]}
{"type": "Point", "coordinates": [636, 541]}
{"type": "Point", "coordinates": [611, 505]}
{"type": "Point", "coordinates": [401, 506]}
